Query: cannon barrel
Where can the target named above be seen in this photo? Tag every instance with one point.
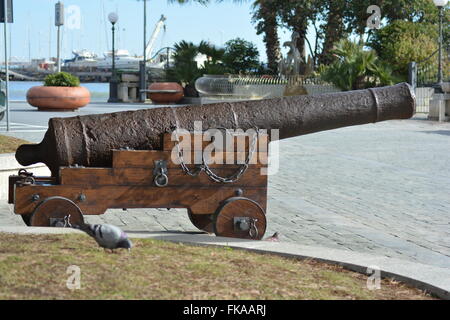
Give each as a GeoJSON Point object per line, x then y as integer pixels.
{"type": "Point", "coordinates": [88, 140]}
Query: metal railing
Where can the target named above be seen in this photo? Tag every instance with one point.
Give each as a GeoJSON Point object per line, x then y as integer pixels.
{"type": "Point", "coordinates": [427, 69]}
{"type": "Point", "coordinates": [423, 76]}
{"type": "Point", "coordinates": [259, 87]}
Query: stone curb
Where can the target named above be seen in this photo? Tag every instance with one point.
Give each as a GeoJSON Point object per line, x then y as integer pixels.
{"type": "Point", "coordinates": [432, 279]}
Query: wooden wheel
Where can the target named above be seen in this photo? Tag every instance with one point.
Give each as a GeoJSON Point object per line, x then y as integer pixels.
{"type": "Point", "coordinates": [203, 222]}
{"type": "Point", "coordinates": [240, 217]}
{"type": "Point", "coordinates": [55, 211]}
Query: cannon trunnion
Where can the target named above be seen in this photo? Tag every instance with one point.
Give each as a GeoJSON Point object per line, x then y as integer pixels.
{"type": "Point", "coordinates": [150, 179]}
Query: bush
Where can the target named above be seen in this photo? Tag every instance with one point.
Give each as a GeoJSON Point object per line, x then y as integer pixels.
{"type": "Point", "coordinates": [356, 68]}
{"type": "Point", "coordinates": [403, 42]}
{"type": "Point", "coordinates": [61, 79]}
{"type": "Point", "coordinates": [185, 69]}
{"type": "Point", "coordinates": [238, 56]}
{"type": "Point", "coordinates": [241, 56]}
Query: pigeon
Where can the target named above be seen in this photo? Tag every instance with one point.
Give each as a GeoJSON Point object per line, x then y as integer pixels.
{"type": "Point", "coordinates": [273, 238]}
{"type": "Point", "coordinates": [108, 236]}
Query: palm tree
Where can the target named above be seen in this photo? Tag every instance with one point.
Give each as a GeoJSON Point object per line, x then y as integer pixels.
{"type": "Point", "coordinates": [356, 68]}
{"type": "Point", "coordinates": [265, 17]}
{"type": "Point", "coordinates": [185, 68]}
{"type": "Point", "coordinates": [333, 29]}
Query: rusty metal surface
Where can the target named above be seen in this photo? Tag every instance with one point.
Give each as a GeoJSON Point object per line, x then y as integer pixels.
{"type": "Point", "coordinates": [88, 140]}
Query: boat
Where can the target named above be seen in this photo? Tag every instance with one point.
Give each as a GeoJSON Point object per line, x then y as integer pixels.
{"type": "Point", "coordinates": [122, 58]}
{"type": "Point", "coordinates": [82, 59]}
{"type": "Point", "coordinates": [123, 61]}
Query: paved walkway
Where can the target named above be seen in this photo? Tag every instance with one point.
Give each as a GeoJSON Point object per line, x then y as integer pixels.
{"type": "Point", "coordinates": [379, 189]}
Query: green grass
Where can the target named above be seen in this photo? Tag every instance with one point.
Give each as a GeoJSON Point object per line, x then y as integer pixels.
{"type": "Point", "coordinates": [10, 144]}
{"type": "Point", "coordinates": [34, 267]}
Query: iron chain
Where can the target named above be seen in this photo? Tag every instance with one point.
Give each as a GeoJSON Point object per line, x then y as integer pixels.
{"type": "Point", "coordinates": [212, 175]}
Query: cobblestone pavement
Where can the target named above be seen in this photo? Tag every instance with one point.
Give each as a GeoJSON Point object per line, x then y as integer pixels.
{"type": "Point", "coordinates": [381, 189]}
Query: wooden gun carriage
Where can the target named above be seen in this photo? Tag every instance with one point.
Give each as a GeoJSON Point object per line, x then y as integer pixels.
{"type": "Point", "coordinates": [151, 179]}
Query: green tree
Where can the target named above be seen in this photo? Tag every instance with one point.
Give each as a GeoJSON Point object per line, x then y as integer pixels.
{"type": "Point", "coordinates": [332, 21]}
{"type": "Point", "coordinates": [391, 10]}
{"type": "Point", "coordinates": [356, 68]}
{"type": "Point", "coordinates": [241, 56]}
{"type": "Point", "coordinates": [402, 42]}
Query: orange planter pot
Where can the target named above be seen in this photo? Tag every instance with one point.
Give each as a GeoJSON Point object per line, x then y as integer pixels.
{"type": "Point", "coordinates": [58, 98]}
{"type": "Point", "coordinates": [165, 92]}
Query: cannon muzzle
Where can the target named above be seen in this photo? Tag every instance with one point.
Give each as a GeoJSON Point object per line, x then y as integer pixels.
{"type": "Point", "coordinates": [88, 140]}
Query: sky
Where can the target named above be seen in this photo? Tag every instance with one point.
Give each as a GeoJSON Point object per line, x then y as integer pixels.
{"type": "Point", "coordinates": [33, 32]}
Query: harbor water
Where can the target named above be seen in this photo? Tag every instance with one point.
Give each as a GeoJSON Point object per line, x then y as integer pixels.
{"type": "Point", "coordinates": [18, 90]}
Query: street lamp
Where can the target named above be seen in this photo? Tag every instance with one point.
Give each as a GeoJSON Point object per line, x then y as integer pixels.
{"type": "Point", "coordinates": [113, 83]}
{"type": "Point", "coordinates": [440, 4]}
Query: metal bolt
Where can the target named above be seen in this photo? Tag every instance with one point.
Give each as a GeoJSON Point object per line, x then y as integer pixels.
{"type": "Point", "coordinates": [239, 192]}
{"type": "Point", "coordinates": [82, 197]}
{"type": "Point", "coordinates": [241, 223]}
{"type": "Point", "coordinates": [35, 197]}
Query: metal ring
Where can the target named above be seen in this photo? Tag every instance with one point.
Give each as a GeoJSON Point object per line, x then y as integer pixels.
{"type": "Point", "coordinates": [28, 180]}
{"type": "Point", "coordinates": [166, 180]}
{"type": "Point", "coordinates": [253, 227]}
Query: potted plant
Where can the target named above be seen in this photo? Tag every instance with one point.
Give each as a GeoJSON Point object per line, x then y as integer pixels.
{"type": "Point", "coordinates": [165, 92]}
{"type": "Point", "coordinates": [61, 92]}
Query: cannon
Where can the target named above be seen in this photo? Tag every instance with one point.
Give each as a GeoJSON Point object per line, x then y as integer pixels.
{"type": "Point", "coordinates": [133, 159]}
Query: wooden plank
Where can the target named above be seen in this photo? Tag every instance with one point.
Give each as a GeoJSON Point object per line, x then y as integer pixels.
{"type": "Point", "coordinates": [241, 143]}
{"type": "Point", "coordinates": [147, 158]}
{"type": "Point", "coordinates": [144, 177]}
{"type": "Point", "coordinates": [15, 178]}
{"type": "Point", "coordinates": [201, 200]}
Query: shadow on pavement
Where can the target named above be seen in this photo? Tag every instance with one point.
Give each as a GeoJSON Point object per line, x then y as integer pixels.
{"type": "Point", "coordinates": [441, 132]}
